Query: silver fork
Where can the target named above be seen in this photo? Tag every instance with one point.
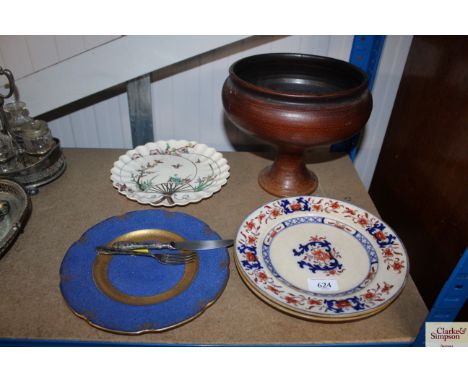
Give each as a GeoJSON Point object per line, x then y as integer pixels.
{"type": "Point", "coordinates": [163, 258]}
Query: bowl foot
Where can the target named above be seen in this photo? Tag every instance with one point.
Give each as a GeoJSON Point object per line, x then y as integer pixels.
{"type": "Point", "coordinates": [288, 180]}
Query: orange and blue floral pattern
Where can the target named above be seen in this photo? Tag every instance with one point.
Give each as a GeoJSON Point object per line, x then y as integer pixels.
{"type": "Point", "coordinates": [318, 255]}
{"type": "Point", "coordinates": [379, 241]}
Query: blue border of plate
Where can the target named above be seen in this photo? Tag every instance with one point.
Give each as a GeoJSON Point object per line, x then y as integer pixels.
{"type": "Point", "coordinates": [89, 302]}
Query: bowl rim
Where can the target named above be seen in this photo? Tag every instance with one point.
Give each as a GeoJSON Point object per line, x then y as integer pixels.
{"type": "Point", "coordinates": [296, 95]}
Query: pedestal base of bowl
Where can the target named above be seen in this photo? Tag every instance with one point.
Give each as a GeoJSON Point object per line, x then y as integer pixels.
{"type": "Point", "coordinates": [288, 179]}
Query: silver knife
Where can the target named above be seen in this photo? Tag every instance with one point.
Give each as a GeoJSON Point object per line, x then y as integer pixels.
{"type": "Point", "coordinates": [189, 245]}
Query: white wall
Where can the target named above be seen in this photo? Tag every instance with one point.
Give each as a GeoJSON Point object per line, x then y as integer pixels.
{"type": "Point", "coordinates": [105, 124]}
{"type": "Point", "coordinates": [25, 55]}
{"type": "Point", "coordinates": [93, 70]}
{"type": "Point", "coordinates": [188, 105]}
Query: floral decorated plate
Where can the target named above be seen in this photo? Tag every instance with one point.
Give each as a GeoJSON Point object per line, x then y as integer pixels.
{"type": "Point", "coordinates": [169, 173]}
{"type": "Point", "coordinates": [320, 258]}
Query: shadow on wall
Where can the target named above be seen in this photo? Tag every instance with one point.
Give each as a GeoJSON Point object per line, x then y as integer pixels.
{"type": "Point", "coordinates": [242, 141]}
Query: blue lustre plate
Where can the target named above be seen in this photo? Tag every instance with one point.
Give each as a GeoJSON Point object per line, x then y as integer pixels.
{"type": "Point", "coordinates": [321, 259]}
{"type": "Point", "coordinates": [136, 294]}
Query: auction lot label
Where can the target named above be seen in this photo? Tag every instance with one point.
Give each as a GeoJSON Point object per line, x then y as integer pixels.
{"type": "Point", "coordinates": [448, 334]}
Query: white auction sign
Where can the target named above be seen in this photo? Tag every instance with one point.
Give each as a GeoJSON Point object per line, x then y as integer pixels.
{"type": "Point", "coordinates": [446, 334]}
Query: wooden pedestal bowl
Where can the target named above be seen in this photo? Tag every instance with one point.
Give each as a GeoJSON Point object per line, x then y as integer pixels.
{"type": "Point", "coordinates": [294, 102]}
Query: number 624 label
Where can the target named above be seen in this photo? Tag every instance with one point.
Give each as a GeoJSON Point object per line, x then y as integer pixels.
{"type": "Point", "coordinates": [322, 285]}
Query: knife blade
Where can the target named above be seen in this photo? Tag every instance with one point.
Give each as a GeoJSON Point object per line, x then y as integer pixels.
{"type": "Point", "coordinates": [189, 245]}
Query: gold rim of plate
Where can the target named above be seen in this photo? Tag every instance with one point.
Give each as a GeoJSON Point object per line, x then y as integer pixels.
{"type": "Point", "coordinates": [101, 267]}
{"type": "Point", "coordinates": [144, 331]}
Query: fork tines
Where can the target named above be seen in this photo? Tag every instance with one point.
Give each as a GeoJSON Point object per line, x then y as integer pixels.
{"type": "Point", "coordinates": [169, 258]}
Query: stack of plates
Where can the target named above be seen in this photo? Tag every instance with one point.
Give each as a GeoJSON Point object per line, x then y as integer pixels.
{"type": "Point", "coordinates": [320, 259]}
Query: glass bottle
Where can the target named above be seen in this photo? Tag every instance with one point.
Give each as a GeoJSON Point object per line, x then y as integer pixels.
{"type": "Point", "coordinates": [8, 159]}
{"type": "Point", "coordinates": [36, 138]}
{"type": "Point", "coordinates": [18, 118]}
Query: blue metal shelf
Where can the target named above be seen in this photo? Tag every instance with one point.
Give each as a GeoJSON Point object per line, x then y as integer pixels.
{"type": "Point", "coordinates": [451, 299]}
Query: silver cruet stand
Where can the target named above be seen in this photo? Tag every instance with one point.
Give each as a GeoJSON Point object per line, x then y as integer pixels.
{"type": "Point", "coordinates": [30, 171]}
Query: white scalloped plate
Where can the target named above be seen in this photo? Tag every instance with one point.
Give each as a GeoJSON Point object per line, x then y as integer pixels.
{"type": "Point", "coordinates": [170, 173]}
{"type": "Point", "coordinates": [320, 259]}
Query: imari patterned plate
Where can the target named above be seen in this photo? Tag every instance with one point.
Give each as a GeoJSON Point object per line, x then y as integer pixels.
{"type": "Point", "coordinates": [137, 294]}
{"type": "Point", "coordinates": [169, 173]}
{"type": "Point", "coordinates": [320, 258]}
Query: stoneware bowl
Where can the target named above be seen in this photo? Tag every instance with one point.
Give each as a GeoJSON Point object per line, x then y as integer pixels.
{"type": "Point", "coordinates": [295, 101]}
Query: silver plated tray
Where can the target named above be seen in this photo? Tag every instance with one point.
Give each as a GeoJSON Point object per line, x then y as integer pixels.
{"type": "Point", "coordinates": [19, 206]}
{"type": "Point", "coordinates": [38, 171]}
